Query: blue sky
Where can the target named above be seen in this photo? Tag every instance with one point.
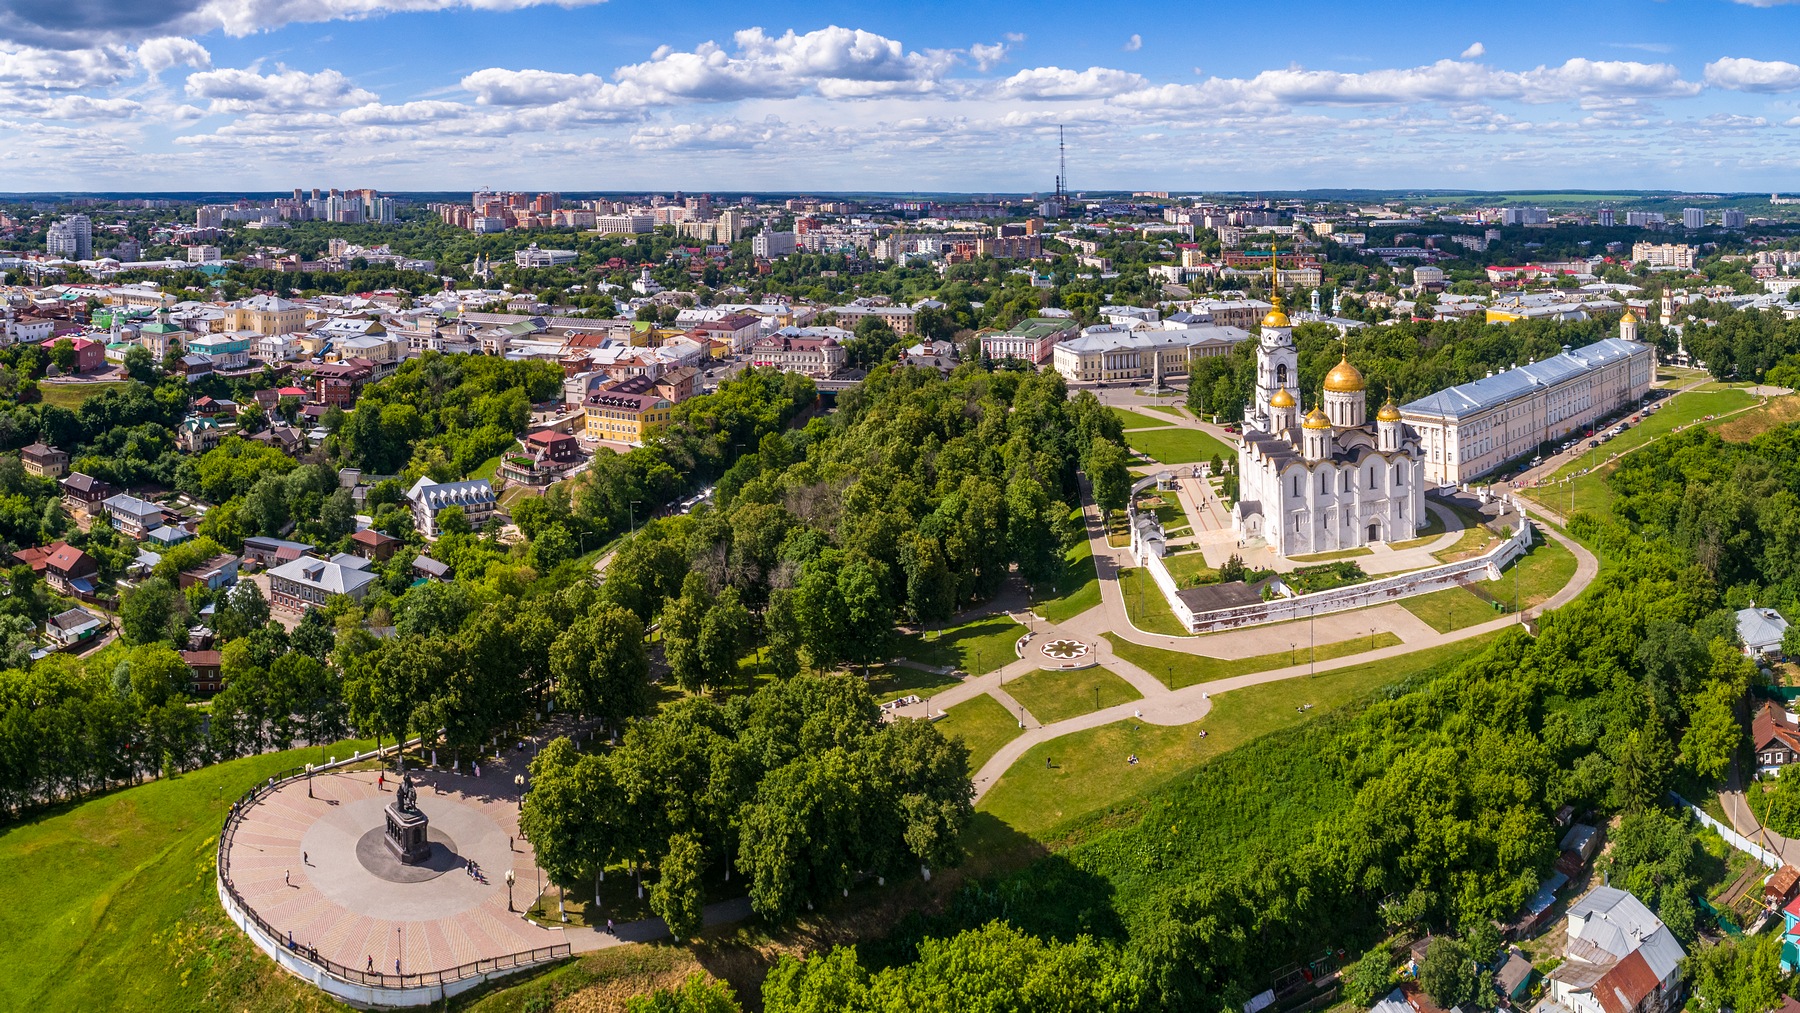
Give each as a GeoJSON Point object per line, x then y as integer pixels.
{"type": "Point", "coordinates": [450, 94]}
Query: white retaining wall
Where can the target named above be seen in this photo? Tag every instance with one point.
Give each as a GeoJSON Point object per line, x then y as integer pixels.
{"type": "Point", "coordinates": [1342, 599]}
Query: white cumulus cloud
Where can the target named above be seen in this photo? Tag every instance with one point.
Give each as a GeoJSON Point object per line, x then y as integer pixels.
{"type": "Point", "coordinates": [234, 90]}
{"type": "Point", "coordinates": [1057, 83]}
{"type": "Point", "coordinates": [1741, 74]}
{"type": "Point", "coordinates": [1474, 52]}
{"type": "Point", "coordinates": [158, 55]}
{"type": "Point", "coordinates": [1133, 44]}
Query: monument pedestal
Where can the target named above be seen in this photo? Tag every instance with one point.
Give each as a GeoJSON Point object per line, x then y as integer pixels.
{"type": "Point", "coordinates": [406, 834]}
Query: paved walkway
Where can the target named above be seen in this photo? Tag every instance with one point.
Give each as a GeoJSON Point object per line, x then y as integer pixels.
{"type": "Point", "coordinates": [1745, 822]}
{"type": "Point", "coordinates": [1163, 706]}
{"type": "Point", "coordinates": [295, 861]}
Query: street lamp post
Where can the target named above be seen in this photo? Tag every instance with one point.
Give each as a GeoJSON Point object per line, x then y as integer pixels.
{"type": "Point", "coordinates": [509, 886]}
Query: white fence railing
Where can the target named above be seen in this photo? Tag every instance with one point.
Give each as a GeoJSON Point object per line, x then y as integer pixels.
{"type": "Point", "coordinates": [1732, 837]}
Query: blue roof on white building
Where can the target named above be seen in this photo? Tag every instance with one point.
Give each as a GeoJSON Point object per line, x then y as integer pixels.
{"type": "Point", "coordinates": [1479, 395]}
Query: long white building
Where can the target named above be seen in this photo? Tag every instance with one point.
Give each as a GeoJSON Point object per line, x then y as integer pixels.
{"type": "Point", "coordinates": [1469, 430]}
{"type": "Point", "coordinates": [1117, 352]}
{"type": "Point", "coordinates": [1329, 479]}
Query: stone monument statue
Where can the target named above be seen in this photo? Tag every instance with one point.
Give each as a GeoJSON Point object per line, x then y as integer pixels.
{"type": "Point", "coordinates": [406, 824]}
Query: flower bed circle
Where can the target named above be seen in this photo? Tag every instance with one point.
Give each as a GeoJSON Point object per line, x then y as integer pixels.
{"type": "Point", "coordinates": [1065, 650]}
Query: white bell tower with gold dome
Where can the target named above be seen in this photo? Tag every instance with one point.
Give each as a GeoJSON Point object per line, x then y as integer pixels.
{"type": "Point", "coordinates": [1277, 360]}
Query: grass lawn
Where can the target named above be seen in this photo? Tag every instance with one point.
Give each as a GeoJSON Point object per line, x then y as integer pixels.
{"type": "Point", "coordinates": [114, 905]}
{"type": "Point", "coordinates": [1434, 526]}
{"type": "Point", "coordinates": [1778, 412]}
{"type": "Point", "coordinates": [487, 469]}
{"type": "Point", "coordinates": [1590, 492]}
{"type": "Point", "coordinates": [510, 496]}
{"type": "Point", "coordinates": [1077, 588]}
{"type": "Point", "coordinates": [1145, 603]}
{"type": "Point", "coordinates": [1166, 408]}
{"type": "Point", "coordinates": [71, 395]}
{"type": "Point", "coordinates": [1059, 695]}
{"type": "Point", "coordinates": [891, 682]}
{"type": "Point", "coordinates": [1088, 770]}
{"type": "Point", "coordinates": [976, 647]}
{"type": "Point", "coordinates": [1138, 420]}
{"type": "Point", "coordinates": [1453, 608]}
{"type": "Point", "coordinates": [984, 726]}
{"type": "Point", "coordinates": [1189, 568]}
{"type": "Point", "coordinates": [1169, 511]}
{"type": "Point", "coordinates": [1474, 538]}
{"type": "Point", "coordinates": [1178, 668]}
{"type": "Point", "coordinates": [1178, 446]}
{"type": "Point", "coordinates": [1541, 573]}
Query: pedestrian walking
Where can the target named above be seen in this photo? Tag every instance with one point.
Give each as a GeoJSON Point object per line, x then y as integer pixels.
{"type": "Point", "coordinates": [287, 877]}
{"type": "Point", "coordinates": [305, 859]}
{"type": "Point", "coordinates": [371, 963]}
{"type": "Point", "coordinates": [396, 965]}
{"type": "Point", "coordinates": [380, 782]}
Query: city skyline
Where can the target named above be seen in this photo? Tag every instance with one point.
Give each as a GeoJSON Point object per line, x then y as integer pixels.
{"type": "Point", "coordinates": [437, 95]}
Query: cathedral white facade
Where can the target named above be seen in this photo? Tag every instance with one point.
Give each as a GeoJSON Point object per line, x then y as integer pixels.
{"type": "Point", "coordinates": [1329, 479]}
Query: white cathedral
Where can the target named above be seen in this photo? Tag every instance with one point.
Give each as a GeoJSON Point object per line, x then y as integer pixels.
{"type": "Point", "coordinates": [1328, 480]}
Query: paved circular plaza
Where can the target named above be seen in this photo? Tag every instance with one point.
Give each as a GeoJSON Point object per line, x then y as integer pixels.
{"type": "Point", "coordinates": [318, 868]}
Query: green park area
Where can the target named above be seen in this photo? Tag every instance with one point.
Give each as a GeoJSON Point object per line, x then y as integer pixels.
{"type": "Point", "coordinates": [1167, 409]}
{"type": "Point", "coordinates": [977, 647]}
{"type": "Point", "coordinates": [1145, 603]}
{"type": "Point", "coordinates": [1053, 695]}
{"type": "Point", "coordinates": [112, 901]}
{"type": "Point", "coordinates": [72, 395]}
{"type": "Point", "coordinates": [1089, 770]}
{"type": "Point", "coordinates": [1077, 586]}
{"type": "Point", "coordinates": [983, 725]}
{"type": "Point", "coordinates": [1138, 420]}
{"type": "Point", "coordinates": [1189, 568]}
{"type": "Point", "coordinates": [1530, 581]}
{"type": "Point", "coordinates": [1178, 446]}
{"type": "Point", "coordinates": [1475, 539]}
{"type": "Point", "coordinates": [1178, 668]}
{"type": "Point", "coordinates": [1453, 608]}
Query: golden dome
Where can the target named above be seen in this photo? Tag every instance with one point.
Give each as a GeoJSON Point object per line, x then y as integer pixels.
{"type": "Point", "coordinates": [1629, 317]}
{"type": "Point", "coordinates": [1344, 378]}
{"type": "Point", "coordinates": [1388, 413]}
{"type": "Point", "coordinates": [1316, 419]}
{"type": "Point", "coordinates": [1281, 398]}
{"type": "Point", "coordinates": [1276, 318]}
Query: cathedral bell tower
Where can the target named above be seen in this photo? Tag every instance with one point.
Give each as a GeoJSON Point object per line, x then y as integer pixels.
{"type": "Point", "coordinates": [1277, 360]}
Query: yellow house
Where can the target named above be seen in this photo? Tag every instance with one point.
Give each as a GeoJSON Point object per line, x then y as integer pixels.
{"type": "Point", "coordinates": [266, 314]}
{"type": "Point", "coordinates": [624, 418]}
